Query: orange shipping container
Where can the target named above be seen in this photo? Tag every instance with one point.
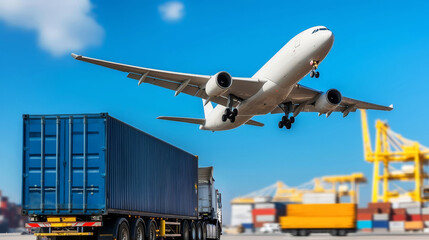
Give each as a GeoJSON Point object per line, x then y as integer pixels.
{"type": "Point", "coordinates": [319, 216]}
{"type": "Point", "coordinates": [317, 222]}
{"type": "Point", "coordinates": [414, 225]}
{"type": "Point", "coordinates": [322, 210]}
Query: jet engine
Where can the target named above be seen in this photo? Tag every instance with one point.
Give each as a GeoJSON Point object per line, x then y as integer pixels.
{"type": "Point", "coordinates": [218, 84]}
{"type": "Point", "coordinates": [328, 101]}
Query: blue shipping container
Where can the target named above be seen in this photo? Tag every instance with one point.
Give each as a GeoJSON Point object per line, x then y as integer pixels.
{"type": "Point", "coordinates": [380, 224]}
{"type": "Point", "coordinates": [96, 164]}
{"type": "Point", "coordinates": [364, 224]}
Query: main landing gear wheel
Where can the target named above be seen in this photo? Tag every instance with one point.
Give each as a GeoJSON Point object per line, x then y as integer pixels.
{"type": "Point", "coordinates": [286, 122]}
{"type": "Point", "coordinates": [230, 114]}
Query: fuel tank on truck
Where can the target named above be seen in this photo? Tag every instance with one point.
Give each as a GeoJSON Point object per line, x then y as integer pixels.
{"type": "Point", "coordinates": [87, 164]}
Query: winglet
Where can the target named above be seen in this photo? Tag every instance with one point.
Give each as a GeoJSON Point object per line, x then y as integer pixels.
{"type": "Point", "coordinates": [75, 56]}
{"type": "Point", "coordinates": [391, 106]}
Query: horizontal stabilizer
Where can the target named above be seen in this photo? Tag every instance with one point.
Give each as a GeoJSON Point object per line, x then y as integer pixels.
{"type": "Point", "coordinates": [199, 121]}
{"type": "Point", "coordinates": [254, 123]}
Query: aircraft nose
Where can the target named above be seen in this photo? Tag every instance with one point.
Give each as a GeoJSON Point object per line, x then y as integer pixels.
{"type": "Point", "coordinates": [328, 37]}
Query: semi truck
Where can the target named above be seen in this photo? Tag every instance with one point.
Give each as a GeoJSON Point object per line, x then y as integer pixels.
{"type": "Point", "coordinates": [303, 219]}
{"type": "Point", "coordinates": [92, 176]}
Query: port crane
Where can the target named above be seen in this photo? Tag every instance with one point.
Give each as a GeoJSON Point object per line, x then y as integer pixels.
{"type": "Point", "coordinates": [392, 149]}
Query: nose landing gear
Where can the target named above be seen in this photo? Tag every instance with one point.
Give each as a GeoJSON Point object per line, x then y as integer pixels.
{"type": "Point", "coordinates": [314, 72]}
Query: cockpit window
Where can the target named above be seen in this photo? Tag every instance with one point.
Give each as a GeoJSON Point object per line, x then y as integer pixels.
{"type": "Point", "coordinates": [319, 29]}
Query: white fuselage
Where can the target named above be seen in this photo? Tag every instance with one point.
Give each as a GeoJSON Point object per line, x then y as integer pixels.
{"type": "Point", "coordinates": [280, 74]}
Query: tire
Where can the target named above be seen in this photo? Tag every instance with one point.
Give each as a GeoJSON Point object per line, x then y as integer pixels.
{"type": "Point", "coordinates": [334, 232]}
{"type": "Point", "coordinates": [139, 233]}
{"type": "Point", "coordinates": [204, 231]}
{"type": "Point", "coordinates": [292, 119]}
{"type": "Point", "coordinates": [294, 233]}
{"type": "Point", "coordinates": [185, 230]}
{"type": "Point", "coordinates": [288, 125]}
{"type": "Point", "coordinates": [199, 231]}
{"type": "Point", "coordinates": [123, 232]}
{"type": "Point", "coordinates": [224, 118]}
{"type": "Point", "coordinates": [235, 111]}
{"type": "Point", "coordinates": [227, 112]}
{"type": "Point", "coordinates": [303, 232]}
{"type": "Point", "coordinates": [232, 119]}
{"type": "Point", "coordinates": [317, 74]}
{"type": "Point", "coordinates": [284, 119]}
{"type": "Point", "coordinates": [312, 74]}
{"type": "Point", "coordinates": [151, 231]}
{"type": "Point", "coordinates": [218, 231]}
{"type": "Point", "coordinates": [342, 232]}
{"type": "Point", "coordinates": [193, 231]}
{"type": "Point", "coordinates": [281, 124]}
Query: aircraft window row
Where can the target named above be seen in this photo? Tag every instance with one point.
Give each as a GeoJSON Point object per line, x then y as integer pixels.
{"type": "Point", "coordinates": [319, 29]}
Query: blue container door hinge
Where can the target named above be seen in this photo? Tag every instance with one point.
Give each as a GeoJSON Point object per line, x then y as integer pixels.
{"type": "Point", "coordinates": [103, 148]}
{"type": "Point", "coordinates": [103, 175]}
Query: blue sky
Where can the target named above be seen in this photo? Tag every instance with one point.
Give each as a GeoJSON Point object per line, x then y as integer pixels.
{"type": "Point", "coordinates": [379, 55]}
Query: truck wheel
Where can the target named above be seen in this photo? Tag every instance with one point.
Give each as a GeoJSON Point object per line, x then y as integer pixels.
{"type": "Point", "coordinates": [294, 233]}
{"type": "Point", "coordinates": [199, 231]}
{"type": "Point", "coordinates": [185, 230]}
{"type": "Point", "coordinates": [193, 231]}
{"type": "Point", "coordinates": [334, 232]}
{"type": "Point", "coordinates": [204, 232]}
{"type": "Point", "coordinates": [139, 232]}
{"type": "Point", "coordinates": [218, 231]}
{"type": "Point", "coordinates": [342, 232]}
{"type": "Point", "coordinates": [123, 232]}
{"type": "Point", "coordinates": [303, 232]}
{"type": "Point", "coordinates": [151, 233]}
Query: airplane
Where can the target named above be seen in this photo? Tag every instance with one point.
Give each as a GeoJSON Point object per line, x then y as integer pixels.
{"type": "Point", "coordinates": [272, 89]}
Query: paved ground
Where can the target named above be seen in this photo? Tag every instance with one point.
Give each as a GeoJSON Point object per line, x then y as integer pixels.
{"type": "Point", "coordinates": [415, 236]}
{"type": "Point", "coordinates": [375, 236]}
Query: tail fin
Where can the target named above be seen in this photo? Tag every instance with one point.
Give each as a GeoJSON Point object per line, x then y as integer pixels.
{"type": "Point", "coordinates": [208, 107]}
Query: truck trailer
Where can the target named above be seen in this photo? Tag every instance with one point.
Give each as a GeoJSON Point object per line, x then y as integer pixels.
{"type": "Point", "coordinates": [93, 176]}
{"type": "Point", "coordinates": [303, 219]}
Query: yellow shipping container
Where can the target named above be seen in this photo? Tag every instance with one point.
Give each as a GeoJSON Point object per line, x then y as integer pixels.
{"type": "Point", "coordinates": [321, 210]}
{"type": "Point", "coordinates": [317, 222]}
{"type": "Point", "coordinates": [319, 216]}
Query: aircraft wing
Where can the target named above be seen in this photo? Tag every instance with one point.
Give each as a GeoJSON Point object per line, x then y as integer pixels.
{"type": "Point", "coordinates": [303, 99]}
{"type": "Point", "coordinates": [192, 84]}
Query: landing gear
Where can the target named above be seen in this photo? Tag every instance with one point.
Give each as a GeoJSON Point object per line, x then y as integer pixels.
{"type": "Point", "coordinates": [313, 72]}
{"type": "Point", "coordinates": [230, 112]}
{"type": "Point", "coordinates": [286, 121]}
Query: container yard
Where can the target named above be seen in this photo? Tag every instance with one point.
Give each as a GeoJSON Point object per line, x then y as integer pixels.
{"type": "Point", "coordinates": [318, 207]}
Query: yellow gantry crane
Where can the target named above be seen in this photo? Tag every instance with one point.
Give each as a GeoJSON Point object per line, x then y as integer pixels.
{"type": "Point", "coordinates": [354, 180]}
{"type": "Point", "coordinates": [392, 148]}
{"type": "Point", "coordinates": [280, 192]}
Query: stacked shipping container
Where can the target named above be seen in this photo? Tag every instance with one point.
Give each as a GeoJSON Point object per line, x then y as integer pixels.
{"type": "Point", "coordinates": [267, 213]}
{"type": "Point", "coordinates": [241, 215]}
{"type": "Point", "coordinates": [401, 217]}
{"type": "Point", "coordinates": [10, 215]}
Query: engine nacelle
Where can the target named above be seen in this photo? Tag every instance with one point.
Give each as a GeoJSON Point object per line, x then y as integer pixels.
{"type": "Point", "coordinates": [328, 101]}
{"type": "Point", "coordinates": [218, 84]}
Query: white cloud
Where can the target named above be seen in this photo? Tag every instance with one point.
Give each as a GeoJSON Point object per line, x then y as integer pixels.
{"type": "Point", "coordinates": [62, 26]}
{"type": "Point", "coordinates": [172, 11]}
